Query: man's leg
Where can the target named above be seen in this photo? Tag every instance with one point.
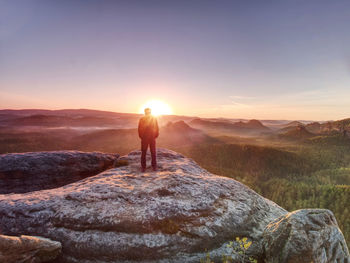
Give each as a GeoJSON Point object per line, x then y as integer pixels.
{"type": "Point", "coordinates": [144, 146]}
{"type": "Point", "coordinates": [152, 147]}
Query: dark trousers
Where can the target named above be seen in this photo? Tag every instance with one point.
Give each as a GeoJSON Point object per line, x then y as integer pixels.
{"type": "Point", "coordinates": [152, 146]}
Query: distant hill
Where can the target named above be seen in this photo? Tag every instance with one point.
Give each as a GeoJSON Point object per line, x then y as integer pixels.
{"type": "Point", "coordinates": [65, 112]}
{"type": "Point", "coordinates": [179, 126]}
{"type": "Point", "coordinates": [330, 127]}
{"type": "Point", "coordinates": [67, 118]}
{"type": "Point", "coordinates": [180, 134]}
{"type": "Point", "coordinates": [249, 127]}
{"type": "Point", "coordinates": [58, 121]}
{"type": "Point", "coordinates": [293, 124]}
{"type": "Point", "coordinates": [339, 125]}
{"type": "Point", "coordinates": [299, 132]}
{"type": "Point", "coordinates": [345, 122]}
{"type": "Point", "coordinates": [283, 126]}
{"type": "Point", "coordinates": [252, 124]}
{"type": "Point", "coordinates": [290, 126]}
{"type": "Point", "coordinates": [287, 129]}
{"type": "Point", "coordinates": [208, 124]}
{"type": "Point", "coordinates": [314, 127]}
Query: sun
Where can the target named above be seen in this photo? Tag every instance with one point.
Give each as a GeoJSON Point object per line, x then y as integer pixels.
{"type": "Point", "coordinates": [158, 107]}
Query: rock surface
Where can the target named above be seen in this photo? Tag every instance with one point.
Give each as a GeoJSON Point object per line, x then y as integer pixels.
{"type": "Point", "coordinates": [26, 172]}
{"type": "Point", "coordinates": [303, 236]}
{"type": "Point", "coordinates": [28, 249]}
{"type": "Point", "coordinates": [176, 214]}
{"type": "Point", "coordinates": [173, 215]}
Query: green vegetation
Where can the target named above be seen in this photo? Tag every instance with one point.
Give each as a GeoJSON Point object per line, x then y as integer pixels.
{"type": "Point", "coordinates": [312, 174]}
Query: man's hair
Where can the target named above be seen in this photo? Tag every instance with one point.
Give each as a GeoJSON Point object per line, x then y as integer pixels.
{"type": "Point", "coordinates": [147, 111]}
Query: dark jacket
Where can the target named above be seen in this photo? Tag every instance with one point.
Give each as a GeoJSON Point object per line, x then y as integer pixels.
{"type": "Point", "coordinates": [148, 127]}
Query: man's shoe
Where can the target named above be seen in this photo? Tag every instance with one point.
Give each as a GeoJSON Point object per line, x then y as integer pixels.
{"type": "Point", "coordinates": [143, 170]}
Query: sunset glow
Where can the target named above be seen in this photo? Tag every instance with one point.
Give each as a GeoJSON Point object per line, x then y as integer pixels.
{"type": "Point", "coordinates": [263, 60]}
{"type": "Point", "coordinates": [158, 107]}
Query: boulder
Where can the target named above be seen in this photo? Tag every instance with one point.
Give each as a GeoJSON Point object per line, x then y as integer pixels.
{"type": "Point", "coordinates": [303, 236]}
{"type": "Point", "coordinates": [32, 171]}
{"type": "Point", "coordinates": [176, 214]}
{"type": "Point", "coordinates": [28, 249]}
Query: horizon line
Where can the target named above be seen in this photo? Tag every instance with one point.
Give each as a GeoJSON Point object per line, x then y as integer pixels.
{"type": "Point", "coordinates": [182, 115]}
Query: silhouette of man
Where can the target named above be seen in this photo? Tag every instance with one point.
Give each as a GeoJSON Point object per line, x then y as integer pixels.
{"type": "Point", "coordinates": [148, 132]}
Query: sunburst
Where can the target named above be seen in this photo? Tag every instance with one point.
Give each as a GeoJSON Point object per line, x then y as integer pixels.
{"type": "Point", "coordinates": [157, 107]}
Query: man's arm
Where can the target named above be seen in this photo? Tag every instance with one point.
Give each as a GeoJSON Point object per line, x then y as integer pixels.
{"type": "Point", "coordinates": [140, 128]}
{"type": "Point", "coordinates": [156, 128]}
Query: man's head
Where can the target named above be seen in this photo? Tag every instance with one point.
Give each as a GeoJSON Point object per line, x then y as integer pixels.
{"type": "Point", "coordinates": [148, 111]}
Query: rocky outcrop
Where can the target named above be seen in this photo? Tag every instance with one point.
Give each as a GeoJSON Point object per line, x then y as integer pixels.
{"type": "Point", "coordinates": [28, 249]}
{"type": "Point", "coordinates": [303, 236]}
{"type": "Point", "coordinates": [26, 172]}
{"type": "Point", "coordinates": [173, 215]}
{"type": "Point", "coordinates": [176, 214]}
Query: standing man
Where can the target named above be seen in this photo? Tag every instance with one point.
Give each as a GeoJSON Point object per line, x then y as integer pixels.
{"type": "Point", "coordinates": [148, 132]}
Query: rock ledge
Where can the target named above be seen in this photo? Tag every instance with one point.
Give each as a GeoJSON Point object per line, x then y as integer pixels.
{"type": "Point", "coordinates": [176, 214]}
{"type": "Point", "coordinates": [33, 171]}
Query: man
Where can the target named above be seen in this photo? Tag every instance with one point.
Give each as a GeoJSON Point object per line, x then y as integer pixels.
{"type": "Point", "coordinates": [148, 132]}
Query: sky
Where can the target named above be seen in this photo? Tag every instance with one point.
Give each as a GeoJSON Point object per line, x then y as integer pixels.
{"type": "Point", "coordinates": [235, 59]}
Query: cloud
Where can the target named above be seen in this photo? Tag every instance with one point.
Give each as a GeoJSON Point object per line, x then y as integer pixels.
{"type": "Point", "coordinates": [240, 101]}
{"type": "Point", "coordinates": [242, 97]}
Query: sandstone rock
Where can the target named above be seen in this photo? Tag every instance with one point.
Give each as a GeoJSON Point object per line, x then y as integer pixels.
{"type": "Point", "coordinates": [121, 215]}
{"type": "Point", "coordinates": [26, 172]}
{"type": "Point", "coordinates": [304, 236]}
{"type": "Point", "coordinates": [28, 249]}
